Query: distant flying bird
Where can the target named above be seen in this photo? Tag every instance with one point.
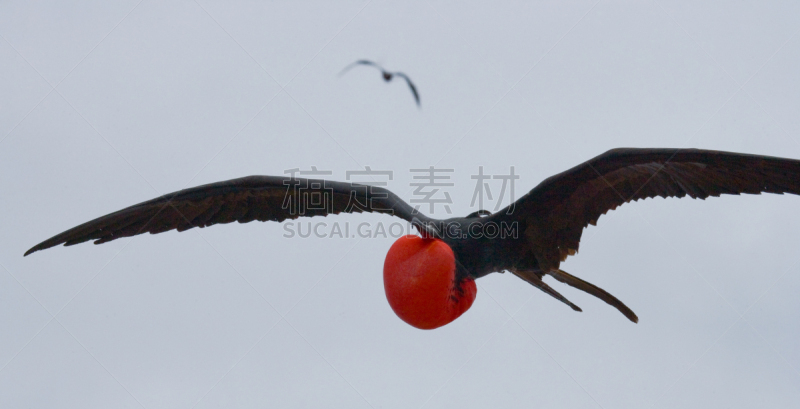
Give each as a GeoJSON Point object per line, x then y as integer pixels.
{"type": "Point", "coordinates": [387, 76]}
{"type": "Point", "coordinates": [429, 280]}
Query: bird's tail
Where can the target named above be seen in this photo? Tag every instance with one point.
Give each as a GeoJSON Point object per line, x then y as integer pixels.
{"type": "Point", "coordinates": [594, 290]}
{"type": "Point", "coordinates": [535, 279]}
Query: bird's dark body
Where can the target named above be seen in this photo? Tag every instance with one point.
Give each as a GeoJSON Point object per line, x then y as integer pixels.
{"type": "Point", "coordinates": [478, 255]}
{"type": "Point", "coordinates": [530, 238]}
{"type": "Point", "coordinates": [387, 76]}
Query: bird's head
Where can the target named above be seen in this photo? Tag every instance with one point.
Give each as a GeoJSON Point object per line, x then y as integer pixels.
{"type": "Point", "coordinates": [387, 76]}
{"type": "Point", "coordinates": [419, 276]}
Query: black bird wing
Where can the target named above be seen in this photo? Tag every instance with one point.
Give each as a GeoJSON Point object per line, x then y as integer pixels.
{"type": "Point", "coordinates": [410, 85]}
{"type": "Point", "coordinates": [360, 62]}
{"type": "Point", "coordinates": [262, 198]}
{"type": "Point", "coordinates": [555, 213]}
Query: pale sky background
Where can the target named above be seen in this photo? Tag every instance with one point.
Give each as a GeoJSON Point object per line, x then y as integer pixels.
{"type": "Point", "coordinates": [106, 104]}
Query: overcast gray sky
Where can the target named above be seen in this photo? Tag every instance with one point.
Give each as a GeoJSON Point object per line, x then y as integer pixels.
{"type": "Point", "coordinates": [106, 104]}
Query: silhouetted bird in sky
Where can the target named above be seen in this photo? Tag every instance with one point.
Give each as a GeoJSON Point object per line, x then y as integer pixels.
{"type": "Point", "coordinates": [429, 280]}
{"type": "Point", "coordinates": [387, 75]}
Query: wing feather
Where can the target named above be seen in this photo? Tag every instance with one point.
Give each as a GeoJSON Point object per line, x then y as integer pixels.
{"type": "Point", "coordinates": [556, 212]}
{"type": "Point", "coordinates": [262, 198]}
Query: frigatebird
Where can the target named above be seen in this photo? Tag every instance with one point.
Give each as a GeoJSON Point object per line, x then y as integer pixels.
{"type": "Point", "coordinates": [429, 279]}
{"type": "Point", "coordinates": [387, 75]}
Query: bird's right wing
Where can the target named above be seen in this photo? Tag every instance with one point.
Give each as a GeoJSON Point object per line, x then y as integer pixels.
{"type": "Point", "coordinates": [262, 198]}
{"type": "Point", "coordinates": [556, 212]}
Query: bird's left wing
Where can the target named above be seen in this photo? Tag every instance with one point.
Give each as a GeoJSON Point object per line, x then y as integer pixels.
{"type": "Point", "coordinates": [359, 62]}
{"type": "Point", "coordinates": [410, 85]}
{"type": "Point", "coordinates": [262, 198]}
{"type": "Point", "coordinates": [555, 213]}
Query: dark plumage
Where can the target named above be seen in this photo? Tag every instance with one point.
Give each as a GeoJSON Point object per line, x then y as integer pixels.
{"type": "Point", "coordinates": [387, 75]}
{"type": "Point", "coordinates": [550, 218]}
